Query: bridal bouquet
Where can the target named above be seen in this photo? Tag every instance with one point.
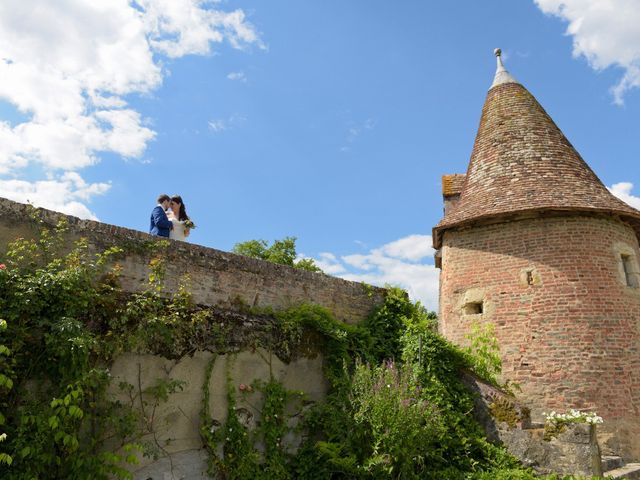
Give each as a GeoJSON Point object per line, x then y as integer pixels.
{"type": "Point", "coordinates": [189, 224]}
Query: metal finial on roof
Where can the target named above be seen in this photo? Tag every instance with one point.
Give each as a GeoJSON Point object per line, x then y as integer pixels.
{"type": "Point", "coordinates": [502, 76]}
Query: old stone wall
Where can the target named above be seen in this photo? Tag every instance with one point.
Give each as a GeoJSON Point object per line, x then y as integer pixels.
{"type": "Point", "coordinates": [172, 427]}
{"type": "Point", "coordinates": [216, 277]}
{"type": "Point", "coordinates": [573, 450]}
{"type": "Point", "coordinates": [227, 283]}
{"type": "Point", "coordinates": [565, 317]}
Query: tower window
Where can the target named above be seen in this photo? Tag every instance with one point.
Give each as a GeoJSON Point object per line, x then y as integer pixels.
{"type": "Point", "coordinates": [529, 277]}
{"type": "Point", "coordinates": [630, 276]}
{"type": "Point", "coordinates": [473, 308]}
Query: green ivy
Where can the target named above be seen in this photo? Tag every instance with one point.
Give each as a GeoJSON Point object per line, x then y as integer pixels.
{"type": "Point", "coordinates": [396, 406]}
{"type": "Point", "coordinates": [238, 460]}
{"type": "Point", "coordinates": [483, 351]}
{"type": "Point", "coordinates": [6, 385]}
{"type": "Point", "coordinates": [64, 319]}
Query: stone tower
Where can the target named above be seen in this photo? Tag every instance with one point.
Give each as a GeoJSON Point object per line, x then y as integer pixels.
{"type": "Point", "coordinates": [533, 242]}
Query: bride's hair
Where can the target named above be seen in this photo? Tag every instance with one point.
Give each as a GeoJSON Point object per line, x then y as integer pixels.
{"type": "Point", "coordinates": [182, 214]}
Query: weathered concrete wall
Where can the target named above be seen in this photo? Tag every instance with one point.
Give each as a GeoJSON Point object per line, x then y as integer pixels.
{"type": "Point", "coordinates": [173, 427]}
{"type": "Point", "coordinates": [216, 277]}
{"type": "Point", "coordinates": [220, 280]}
{"type": "Point", "coordinates": [566, 320]}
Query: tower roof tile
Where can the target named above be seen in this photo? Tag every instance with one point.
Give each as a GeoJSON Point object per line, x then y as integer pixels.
{"type": "Point", "coordinates": [522, 162]}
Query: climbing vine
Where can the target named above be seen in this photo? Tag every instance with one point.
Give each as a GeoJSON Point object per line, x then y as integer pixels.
{"type": "Point", "coordinates": [64, 319]}
{"type": "Point", "coordinates": [396, 407]}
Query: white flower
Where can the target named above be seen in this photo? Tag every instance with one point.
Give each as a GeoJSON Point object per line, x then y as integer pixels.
{"type": "Point", "coordinates": [574, 416]}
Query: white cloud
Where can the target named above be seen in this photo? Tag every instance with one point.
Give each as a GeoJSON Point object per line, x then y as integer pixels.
{"type": "Point", "coordinates": [68, 66]}
{"type": "Point", "coordinates": [221, 124]}
{"type": "Point", "coordinates": [218, 125]}
{"type": "Point", "coordinates": [413, 247]}
{"type": "Point", "coordinates": [420, 280]}
{"type": "Point", "coordinates": [623, 190]}
{"type": "Point", "coordinates": [181, 27]}
{"type": "Point", "coordinates": [239, 76]}
{"type": "Point", "coordinates": [66, 193]}
{"type": "Point", "coordinates": [402, 262]}
{"type": "Point", "coordinates": [606, 33]}
{"type": "Point", "coordinates": [355, 130]}
{"type": "Point", "coordinates": [330, 264]}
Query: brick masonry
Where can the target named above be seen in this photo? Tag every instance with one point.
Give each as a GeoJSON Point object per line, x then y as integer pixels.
{"type": "Point", "coordinates": [216, 277]}
{"type": "Point", "coordinates": [566, 321]}
{"type": "Point", "coordinates": [521, 161]}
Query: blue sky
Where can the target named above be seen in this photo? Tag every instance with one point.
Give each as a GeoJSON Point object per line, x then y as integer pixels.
{"type": "Point", "coordinates": [331, 121]}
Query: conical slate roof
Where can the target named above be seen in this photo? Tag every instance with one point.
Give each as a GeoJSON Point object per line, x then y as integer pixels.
{"type": "Point", "coordinates": [522, 162]}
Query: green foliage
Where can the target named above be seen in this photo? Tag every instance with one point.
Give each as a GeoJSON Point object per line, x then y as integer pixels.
{"type": "Point", "coordinates": [238, 459]}
{"type": "Point", "coordinates": [483, 351]}
{"type": "Point", "coordinates": [233, 447]}
{"type": "Point", "coordinates": [62, 439]}
{"type": "Point", "coordinates": [6, 384]}
{"type": "Point", "coordinates": [61, 318]}
{"type": "Point", "coordinates": [273, 428]}
{"type": "Point", "coordinates": [419, 426]}
{"type": "Point", "coordinates": [339, 342]}
{"type": "Point", "coordinates": [503, 409]}
{"type": "Point", "coordinates": [396, 406]}
{"type": "Point", "coordinates": [281, 251]}
{"type": "Point", "coordinates": [388, 323]}
{"type": "Point", "coordinates": [404, 425]}
{"type": "Point", "coordinates": [207, 427]}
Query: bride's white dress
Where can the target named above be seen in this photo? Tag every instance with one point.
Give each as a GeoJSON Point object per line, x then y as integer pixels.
{"type": "Point", "coordinates": [177, 232]}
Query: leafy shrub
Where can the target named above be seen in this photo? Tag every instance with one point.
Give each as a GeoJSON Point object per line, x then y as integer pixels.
{"type": "Point", "coordinates": [282, 252]}
{"type": "Point", "coordinates": [483, 351]}
{"type": "Point", "coordinates": [396, 408]}
{"type": "Point", "coordinates": [404, 425]}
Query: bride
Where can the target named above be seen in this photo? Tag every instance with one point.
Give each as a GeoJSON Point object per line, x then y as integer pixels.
{"type": "Point", "coordinates": [177, 215]}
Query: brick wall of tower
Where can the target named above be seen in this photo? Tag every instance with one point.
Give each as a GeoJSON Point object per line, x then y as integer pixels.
{"type": "Point", "coordinates": [567, 323]}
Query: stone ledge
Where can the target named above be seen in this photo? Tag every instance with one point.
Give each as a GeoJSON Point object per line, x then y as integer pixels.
{"type": "Point", "coordinates": [217, 277]}
{"type": "Point", "coordinates": [629, 471]}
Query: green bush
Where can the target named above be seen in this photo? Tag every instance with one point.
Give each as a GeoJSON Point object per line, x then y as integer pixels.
{"type": "Point", "coordinates": [282, 252]}
{"type": "Point", "coordinates": [396, 408]}
{"type": "Point", "coordinates": [404, 425]}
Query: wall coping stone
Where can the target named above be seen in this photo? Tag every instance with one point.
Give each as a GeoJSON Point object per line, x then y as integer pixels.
{"type": "Point", "coordinates": [264, 283]}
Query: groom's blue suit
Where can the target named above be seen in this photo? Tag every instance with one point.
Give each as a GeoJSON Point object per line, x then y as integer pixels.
{"type": "Point", "coordinates": [160, 224]}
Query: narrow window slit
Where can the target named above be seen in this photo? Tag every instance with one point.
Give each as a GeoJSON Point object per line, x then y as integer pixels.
{"type": "Point", "coordinates": [473, 308]}
{"type": "Point", "coordinates": [629, 275]}
{"type": "Point", "coordinates": [529, 277]}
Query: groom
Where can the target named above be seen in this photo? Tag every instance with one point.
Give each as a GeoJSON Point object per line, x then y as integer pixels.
{"type": "Point", "coordinates": [160, 224]}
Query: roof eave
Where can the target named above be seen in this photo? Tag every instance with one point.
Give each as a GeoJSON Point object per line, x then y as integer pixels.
{"type": "Point", "coordinates": [437, 232]}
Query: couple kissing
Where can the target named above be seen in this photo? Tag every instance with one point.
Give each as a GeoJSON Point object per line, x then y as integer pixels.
{"type": "Point", "coordinates": [169, 218]}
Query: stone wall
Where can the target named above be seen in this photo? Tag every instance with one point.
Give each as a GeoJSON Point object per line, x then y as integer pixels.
{"type": "Point", "coordinates": [573, 450]}
{"type": "Point", "coordinates": [223, 281]}
{"type": "Point", "coordinates": [174, 426]}
{"type": "Point", "coordinates": [565, 318]}
{"type": "Point", "coordinates": [216, 277]}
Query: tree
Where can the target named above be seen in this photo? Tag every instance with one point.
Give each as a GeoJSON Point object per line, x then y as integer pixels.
{"type": "Point", "coordinates": [281, 251]}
